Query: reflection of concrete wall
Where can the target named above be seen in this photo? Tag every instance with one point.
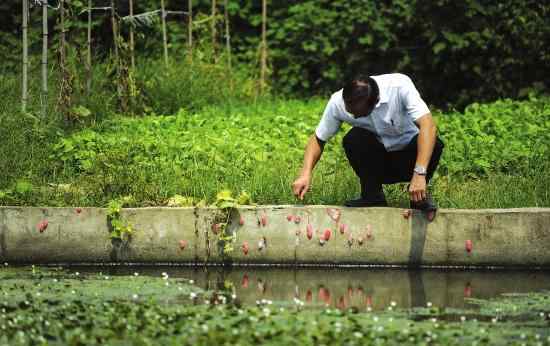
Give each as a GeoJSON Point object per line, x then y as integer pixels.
{"type": "Point", "coordinates": [360, 288]}
{"type": "Point", "coordinates": [508, 237]}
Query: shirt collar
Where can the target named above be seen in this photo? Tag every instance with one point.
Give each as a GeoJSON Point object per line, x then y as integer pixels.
{"type": "Point", "coordinates": [384, 97]}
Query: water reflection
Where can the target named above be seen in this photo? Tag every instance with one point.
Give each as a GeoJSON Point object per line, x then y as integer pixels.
{"type": "Point", "coordinates": [361, 288]}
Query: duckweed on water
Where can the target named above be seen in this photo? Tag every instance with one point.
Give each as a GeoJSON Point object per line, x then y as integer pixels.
{"type": "Point", "coordinates": [53, 306]}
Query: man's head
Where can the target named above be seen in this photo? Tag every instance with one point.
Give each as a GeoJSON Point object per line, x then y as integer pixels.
{"type": "Point", "coordinates": [361, 95]}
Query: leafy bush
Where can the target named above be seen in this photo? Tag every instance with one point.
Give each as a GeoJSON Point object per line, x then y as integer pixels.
{"type": "Point", "coordinates": [458, 51]}
{"type": "Point", "coordinates": [503, 136]}
{"type": "Point", "coordinates": [260, 149]}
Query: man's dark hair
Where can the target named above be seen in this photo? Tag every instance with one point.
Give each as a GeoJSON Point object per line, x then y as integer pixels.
{"type": "Point", "coordinates": [361, 88]}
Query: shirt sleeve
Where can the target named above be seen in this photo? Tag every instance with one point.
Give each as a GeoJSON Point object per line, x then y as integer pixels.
{"type": "Point", "coordinates": [414, 106]}
{"type": "Point", "coordinates": [329, 124]}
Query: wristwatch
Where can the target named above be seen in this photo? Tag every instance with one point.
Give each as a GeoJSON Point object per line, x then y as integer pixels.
{"type": "Point", "coordinates": [420, 170]}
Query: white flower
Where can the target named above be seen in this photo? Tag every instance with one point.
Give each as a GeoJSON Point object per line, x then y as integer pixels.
{"type": "Point", "coordinates": [135, 296]}
{"type": "Point", "coordinates": [191, 281]}
{"type": "Point", "coordinates": [193, 295]}
{"type": "Point", "coordinates": [136, 274]}
{"type": "Point", "coordinates": [429, 304]}
{"type": "Point", "coordinates": [358, 335]}
{"type": "Point", "coordinates": [393, 303]}
{"type": "Point", "coordinates": [462, 318]}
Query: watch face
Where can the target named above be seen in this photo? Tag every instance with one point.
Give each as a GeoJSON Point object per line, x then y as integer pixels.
{"type": "Point", "coordinates": [420, 170]}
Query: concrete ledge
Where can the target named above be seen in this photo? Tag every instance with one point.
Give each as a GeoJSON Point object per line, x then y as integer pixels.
{"type": "Point", "coordinates": [279, 234]}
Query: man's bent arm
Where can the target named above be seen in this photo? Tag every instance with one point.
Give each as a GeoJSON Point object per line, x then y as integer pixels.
{"type": "Point", "coordinates": [425, 145]}
{"type": "Point", "coordinates": [314, 149]}
{"type": "Point", "coordinates": [426, 140]}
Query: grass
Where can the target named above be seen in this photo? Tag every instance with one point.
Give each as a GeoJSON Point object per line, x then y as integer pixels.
{"type": "Point", "coordinates": [258, 148]}
{"type": "Point", "coordinates": [496, 156]}
{"type": "Point", "coordinates": [53, 306]}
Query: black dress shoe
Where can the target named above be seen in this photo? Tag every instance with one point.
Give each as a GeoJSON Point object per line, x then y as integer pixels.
{"type": "Point", "coordinates": [365, 202]}
{"type": "Point", "coordinates": [427, 206]}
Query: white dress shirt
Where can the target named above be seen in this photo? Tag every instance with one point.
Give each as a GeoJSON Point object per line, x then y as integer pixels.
{"type": "Point", "coordinates": [392, 119]}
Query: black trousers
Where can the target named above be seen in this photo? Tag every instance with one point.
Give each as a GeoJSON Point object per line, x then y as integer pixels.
{"type": "Point", "coordinates": [375, 166]}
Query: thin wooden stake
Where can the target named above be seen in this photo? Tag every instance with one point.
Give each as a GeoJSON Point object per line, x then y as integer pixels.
{"type": "Point", "coordinates": [227, 35]}
{"type": "Point", "coordinates": [63, 102]}
{"type": "Point", "coordinates": [44, 58]}
{"type": "Point", "coordinates": [228, 45]}
{"type": "Point", "coordinates": [213, 28]}
{"type": "Point", "coordinates": [132, 57]}
{"type": "Point", "coordinates": [190, 27]}
{"type": "Point", "coordinates": [164, 36]}
{"type": "Point", "coordinates": [115, 30]}
{"type": "Point", "coordinates": [25, 56]}
{"type": "Point", "coordinates": [263, 70]}
{"type": "Point", "coordinates": [115, 41]}
{"type": "Point", "coordinates": [89, 51]}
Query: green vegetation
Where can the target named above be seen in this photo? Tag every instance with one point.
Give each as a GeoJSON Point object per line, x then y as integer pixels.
{"type": "Point", "coordinates": [496, 155]}
{"type": "Point", "coordinates": [58, 307]}
{"type": "Point", "coordinates": [458, 52]}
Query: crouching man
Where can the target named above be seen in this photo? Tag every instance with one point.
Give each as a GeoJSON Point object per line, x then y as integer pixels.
{"type": "Point", "coordinates": [393, 139]}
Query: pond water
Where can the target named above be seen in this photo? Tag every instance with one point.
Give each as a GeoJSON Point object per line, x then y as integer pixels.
{"type": "Point", "coordinates": [362, 288]}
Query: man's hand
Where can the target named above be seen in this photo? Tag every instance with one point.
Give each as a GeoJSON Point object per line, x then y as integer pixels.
{"type": "Point", "coordinates": [417, 188]}
{"type": "Point", "coordinates": [301, 186]}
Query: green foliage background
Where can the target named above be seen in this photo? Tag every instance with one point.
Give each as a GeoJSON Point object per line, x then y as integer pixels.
{"type": "Point", "coordinates": [458, 52]}
{"type": "Point", "coordinates": [196, 154]}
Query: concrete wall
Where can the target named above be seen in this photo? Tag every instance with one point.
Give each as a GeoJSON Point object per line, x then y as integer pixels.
{"type": "Point", "coordinates": [279, 234]}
